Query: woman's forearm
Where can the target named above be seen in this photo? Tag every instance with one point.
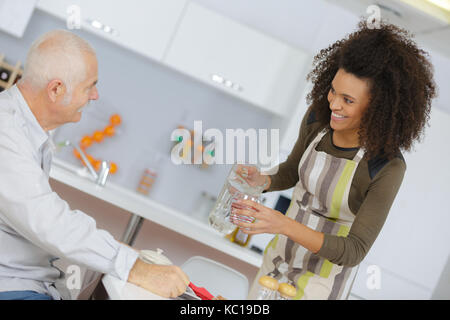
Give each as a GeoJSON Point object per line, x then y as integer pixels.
{"type": "Point", "coordinates": [303, 235]}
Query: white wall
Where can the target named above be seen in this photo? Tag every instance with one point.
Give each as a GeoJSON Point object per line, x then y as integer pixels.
{"type": "Point", "coordinates": [442, 290]}
{"type": "Point", "coordinates": [413, 246]}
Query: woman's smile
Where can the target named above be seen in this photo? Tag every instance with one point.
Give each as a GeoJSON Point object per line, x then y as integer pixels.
{"type": "Point", "coordinates": [337, 117]}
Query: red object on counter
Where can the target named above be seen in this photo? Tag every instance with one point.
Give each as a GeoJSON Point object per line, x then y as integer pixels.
{"type": "Point", "coordinates": [202, 293]}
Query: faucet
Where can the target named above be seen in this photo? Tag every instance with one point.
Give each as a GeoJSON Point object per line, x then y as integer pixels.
{"type": "Point", "coordinates": [100, 178]}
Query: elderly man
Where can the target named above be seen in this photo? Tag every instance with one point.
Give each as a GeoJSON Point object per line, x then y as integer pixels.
{"type": "Point", "coordinates": [36, 225]}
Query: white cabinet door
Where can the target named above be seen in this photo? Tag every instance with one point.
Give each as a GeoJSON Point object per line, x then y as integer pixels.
{"type": "Point", "coordinates": [142, 26]}
{"type": "Point", "coordinates": [237, 59]}
{"type": "Point", "coordinates": [15, 15]}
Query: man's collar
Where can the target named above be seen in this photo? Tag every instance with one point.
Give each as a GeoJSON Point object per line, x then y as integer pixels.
{"type": "Point", "coordinates": [37, 133]}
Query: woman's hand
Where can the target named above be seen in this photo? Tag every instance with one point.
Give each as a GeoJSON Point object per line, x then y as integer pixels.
{"type": "Point", "coordinates": [252, 176]}
{"type": "Point", "coordinates": [272, 221]}
{"type": "Point", "coordinates": [267, 220]}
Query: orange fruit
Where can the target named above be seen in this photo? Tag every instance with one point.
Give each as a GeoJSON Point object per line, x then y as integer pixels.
{"type": "Point", "coordinates": [115, 120]}
{"type": "Point", "coordinates": [98, 136]}
{"type": "Point", "coordinates": [109, 131]}
{"type": "Point", "coordinates": [96, 164]}
{"type": "Point", "coordinates": [86, 142]}
{"type": "Point", "coordinates": [76, 154]}
{"type": "Point", "coordinates": [112, 168]}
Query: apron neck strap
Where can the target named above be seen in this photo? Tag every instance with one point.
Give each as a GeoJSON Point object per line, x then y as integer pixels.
{"type": "Point", "coordinates": [359, 155]}
{"type": "Point", "coordinates": [357, 158]}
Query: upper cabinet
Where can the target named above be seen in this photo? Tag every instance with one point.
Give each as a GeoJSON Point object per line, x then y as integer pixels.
{"type": "Point", "coordinates": [15, 15]}
{"type": "Point", "coordinates": [145, 26]}
{"type": "Point", "coordinates": [198, 42]}
{"type": "Point", "coordinates": [237, 59]}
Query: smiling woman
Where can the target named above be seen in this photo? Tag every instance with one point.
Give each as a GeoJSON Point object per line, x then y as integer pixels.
{"type": "Point", "coordinates": [347, 110]}
{"type": "Point", "coordinates": [371, 99]}
{"type": "Point", "coordinates": [385, 66]}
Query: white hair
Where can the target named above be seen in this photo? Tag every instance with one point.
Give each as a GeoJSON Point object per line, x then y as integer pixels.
{"type": "Point", "coordinates": [57, 54]}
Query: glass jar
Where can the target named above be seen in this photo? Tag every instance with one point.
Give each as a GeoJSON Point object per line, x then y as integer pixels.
{"type": "Point", "coordinates": [267, 288]}
{"type": "Point", "coordinates": [235, 188]}
{"type": "Point", "coordinates": [205, 202]}
{"type": "Point", "coordinates": [286, 291]}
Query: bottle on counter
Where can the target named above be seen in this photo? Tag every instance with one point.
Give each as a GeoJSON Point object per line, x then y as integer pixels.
{"type": "Point", "coordinates": [150, 162]}
{"type": "Point", "coordinates": [147, 180]}
{"type": "Point", "coordinates": [286, 291]}
{"type": "Point", "coordinates": [239, 237]}
{"type": "Point", "coordinates": [268, 288]}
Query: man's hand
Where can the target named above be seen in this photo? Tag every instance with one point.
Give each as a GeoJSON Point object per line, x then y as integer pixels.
{"type": "Point", "coordinates": [165, 281]}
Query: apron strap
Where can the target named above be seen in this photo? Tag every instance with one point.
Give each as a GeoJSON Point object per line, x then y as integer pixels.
{"type": "Point", "coordinates": [359, 155]}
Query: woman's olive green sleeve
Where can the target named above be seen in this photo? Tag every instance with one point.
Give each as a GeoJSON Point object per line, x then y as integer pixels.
{"type": "Point", "coordinates": [287, 175]}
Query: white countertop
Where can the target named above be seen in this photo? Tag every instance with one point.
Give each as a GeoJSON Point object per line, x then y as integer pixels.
{"type": "Point", "coordinates": [151, 210]}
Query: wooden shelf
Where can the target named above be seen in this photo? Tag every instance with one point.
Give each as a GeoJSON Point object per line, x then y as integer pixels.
{"type": "Point", "coordinates": [15, 73]}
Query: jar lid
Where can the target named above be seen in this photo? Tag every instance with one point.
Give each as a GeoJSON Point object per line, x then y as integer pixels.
{"type": "Point", "coordinates": [268, 282]}
{"type": "Point", "coordinates": [287, 290]}
{"type": "Point", "coordinates": [154, 257]}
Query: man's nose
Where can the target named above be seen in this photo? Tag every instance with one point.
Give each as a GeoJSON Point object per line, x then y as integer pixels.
{"type": "Point", "coordinates": [94, 95]}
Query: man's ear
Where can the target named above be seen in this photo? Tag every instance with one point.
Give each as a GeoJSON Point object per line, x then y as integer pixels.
{"type": "Point", "coordinates": [56, 89]}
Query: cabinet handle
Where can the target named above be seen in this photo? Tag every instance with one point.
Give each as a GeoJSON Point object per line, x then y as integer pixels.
{"type": "Point", "coordinates": [226, 82]}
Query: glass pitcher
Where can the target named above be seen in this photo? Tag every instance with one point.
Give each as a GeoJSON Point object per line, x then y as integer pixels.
{"type": "Point", "coordinates": [235, 188]}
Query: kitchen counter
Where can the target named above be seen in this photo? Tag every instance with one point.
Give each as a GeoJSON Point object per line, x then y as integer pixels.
{"type": "Point", "coordinates": [149, 209]}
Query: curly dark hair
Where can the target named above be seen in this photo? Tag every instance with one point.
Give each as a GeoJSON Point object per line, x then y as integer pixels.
{"type": "Point", "coordinates": [401, 80]}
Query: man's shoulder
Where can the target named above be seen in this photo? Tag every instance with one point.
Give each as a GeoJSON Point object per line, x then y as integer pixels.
{"type": "Point", "coordinates": [8, 123]}
{"type": "Point", "coordinates": [7, 109]}
{"type": "Point", "coordinates": [10, 132]}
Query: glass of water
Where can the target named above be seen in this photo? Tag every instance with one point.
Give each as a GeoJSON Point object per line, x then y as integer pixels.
{"type": "Point", "coordinates": [235, 188]}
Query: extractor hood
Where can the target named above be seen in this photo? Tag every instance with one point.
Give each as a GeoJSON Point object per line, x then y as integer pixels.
{"type": "Point", "coordinates": [428, 20]}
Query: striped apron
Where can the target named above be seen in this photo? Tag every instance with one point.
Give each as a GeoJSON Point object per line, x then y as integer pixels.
{"type": "Point", "coordinates": [319, 201]}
